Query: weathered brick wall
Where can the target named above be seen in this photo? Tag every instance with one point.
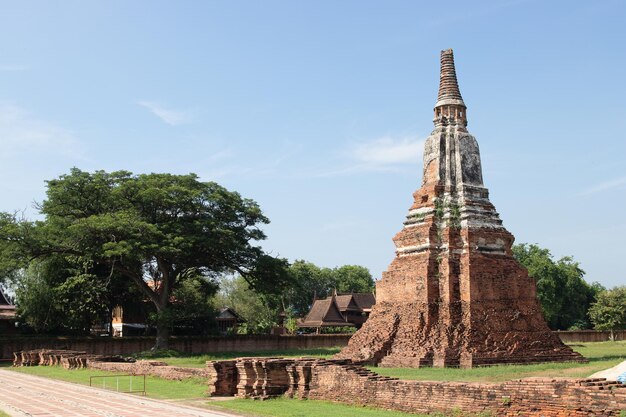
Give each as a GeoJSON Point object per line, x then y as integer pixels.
{"type": "Point", "coordinates": [573, 336]}
{"type": "Point", "coordinates": [152, 368]}
{"type": "Point", "coordinates": [527, 397]}
{"type": "Point", "coordinates": [75, 360]}
{"type": "Point", "coordinates": [129, 345]}
{"type": "Point", "coordinates": [342, 381]}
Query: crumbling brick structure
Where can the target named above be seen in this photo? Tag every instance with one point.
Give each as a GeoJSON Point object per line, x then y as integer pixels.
{"type": "Point", "coordinates": [346, 382]}
{"type": "Point", "coordinates": [68, 359]}
{"type": "Point", "coordinates": [454, 295]}
{"type": "Point", "coordinates": [71, 359]}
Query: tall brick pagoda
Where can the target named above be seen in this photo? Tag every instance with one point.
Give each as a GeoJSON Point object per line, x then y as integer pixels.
{"type": "Point", "coordinates": [454, 295]}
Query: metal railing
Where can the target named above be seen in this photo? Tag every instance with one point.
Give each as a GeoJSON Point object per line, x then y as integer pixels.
{"type": "Point", "coordinates": [140, 380]}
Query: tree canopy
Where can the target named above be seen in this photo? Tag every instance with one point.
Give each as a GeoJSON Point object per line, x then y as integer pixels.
{"type": "Point", "coordinates": [305, 281]}
{"type": "Point", "coordinates": [609, 311]}
{"type": "Point", "coordinates": [154, 230]}
{"type": "Point", "coordinates": [564, 295]}
{"type": "Point", "coordinates": [308, 280]}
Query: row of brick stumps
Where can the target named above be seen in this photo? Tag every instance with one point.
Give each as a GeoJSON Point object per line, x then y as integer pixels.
{"type": "Point", "coordinates": [260, 378]}
{"type": "Point", "coordinates": [346, 382]}
{"type": "Point", "coordinates": [68, 359]}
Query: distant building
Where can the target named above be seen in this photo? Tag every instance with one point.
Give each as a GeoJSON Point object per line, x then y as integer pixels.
{"type": "Point", "coordinates": [130, 319]}
{"type": "Point", "coordinates": [339, 310]}
{"type": "Point", "coordinates": [228, 320]}
{"type": "Point", "coordinates": [7, 315]}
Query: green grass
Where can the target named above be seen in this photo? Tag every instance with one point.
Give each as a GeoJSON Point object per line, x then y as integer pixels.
{"type": "Point", "coordinates": [601, 355]}
{"type": "Point", "coordinates": [199, 361]}
{"type": "Point", "coordinates": [3, 414]}
{"type": "Point", "coordinates": [155, 387]}
{"type": "Point", "coordinates": [283, 407]}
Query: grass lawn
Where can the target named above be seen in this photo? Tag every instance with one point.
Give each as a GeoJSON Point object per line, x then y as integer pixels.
{"type": "Point", "coordinates": [3, 414]}
{"type": "Point", "coordinates": [155, 387]}
{"type": "Point", "coordinates": [199, 361]}
{"type": "Point", "coordinates": [282, 407]}
{"type": "Point", "coordinates": [601, 355]}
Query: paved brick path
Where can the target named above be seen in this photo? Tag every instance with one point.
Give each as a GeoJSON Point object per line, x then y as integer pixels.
{"type": "Point", "coordinates": [26, 395]}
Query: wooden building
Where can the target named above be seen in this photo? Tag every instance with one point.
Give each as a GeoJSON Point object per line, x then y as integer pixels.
{"type": "Point", "coordinates": [7, 315]}
{"type": "Point", "coordinates": [339, 310]}
{"type": "Point", "coordinates": [228, 320]}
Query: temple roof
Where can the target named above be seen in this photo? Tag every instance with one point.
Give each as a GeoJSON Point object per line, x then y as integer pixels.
{"type": "Point", "coordinates": [7, 309]}
{"type": "Point", "coordinates": [330, 311]}
{"type": "Point", "coordinates": [346, 302]}
{"type": "Point", "coordinates": [324, 313]}
{"type": "Point", "coordinates": [365, 300]}
{"type": "Point", "coordinates": [228, 313]}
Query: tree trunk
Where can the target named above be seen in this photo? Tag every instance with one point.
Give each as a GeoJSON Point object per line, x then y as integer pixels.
{"type": "Point", "coordinates": [162, 325]}
{"type": "Point", "coordinates": [110, 322]}
{"type": "Point", "coordinates": [162, 337]}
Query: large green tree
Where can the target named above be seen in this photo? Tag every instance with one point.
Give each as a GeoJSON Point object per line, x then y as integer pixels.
{"type": "Point", "coordinates": [54, 297]}
{"type": "Point", "coordinates": [260, 312]}
{"type": "Point", "coordinates": [155, 230]}
{"type": "Point", "coordinates": [353, 278]}
{"type": "Point", "coordinates": [564, 295]}
{"type": "Point", "coordinates": [307, 281]}
{"type": "Point", "coordinates": [609, 311]}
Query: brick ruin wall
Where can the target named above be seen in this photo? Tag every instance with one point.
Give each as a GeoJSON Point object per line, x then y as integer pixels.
{"type": "Point", "coordinates": [349, 383]}
{"type": "Point", "coordinates": [130, 345]}
{"type": "Point", "coordinates": [152, 368]}
{"type": "Point", "coordinates": [345, 382]}
{"type": "Point", "coordinates": [69, 359]}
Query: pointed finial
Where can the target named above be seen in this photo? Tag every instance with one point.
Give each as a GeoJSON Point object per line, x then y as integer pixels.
{"type": "Point", "coordinates": [449, 104]}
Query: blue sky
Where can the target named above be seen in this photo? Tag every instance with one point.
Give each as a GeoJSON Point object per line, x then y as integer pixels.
{"type": "Point", "coordinates": [318, 110]}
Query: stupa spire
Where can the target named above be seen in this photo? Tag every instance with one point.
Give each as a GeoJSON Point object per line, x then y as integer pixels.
{"type": "Point", "coordinates": [450, 108]}
{"type": "Point", "coordinates": [454, 295]}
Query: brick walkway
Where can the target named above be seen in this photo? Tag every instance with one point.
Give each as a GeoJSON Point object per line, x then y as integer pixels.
{"type": "Point", "coordinates": [26, 395]}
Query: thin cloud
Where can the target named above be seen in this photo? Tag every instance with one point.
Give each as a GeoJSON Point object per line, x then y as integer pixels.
{"type": "Point", "coordinates": [387, 151]}
{"type": "Point", "coordinates": [168, 115]}
{"type": "Point", "coordinates": [22, 132]}
{"type": "Point", "coordinates": [605, 186]}
{"type": "Point", "coordinates": [386, 154]}
{"type": "Point", "coordinates": [13, 68]}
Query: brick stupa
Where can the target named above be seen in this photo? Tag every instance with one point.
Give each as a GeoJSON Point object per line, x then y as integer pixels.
{"type": "Point", "coordinates": [454, 295]}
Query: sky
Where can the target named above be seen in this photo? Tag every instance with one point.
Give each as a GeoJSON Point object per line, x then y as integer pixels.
{"type": "Point", "coordinates": [319, 110]}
